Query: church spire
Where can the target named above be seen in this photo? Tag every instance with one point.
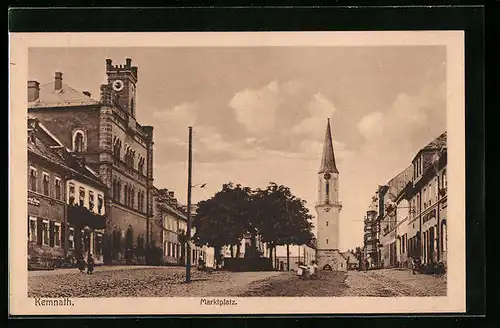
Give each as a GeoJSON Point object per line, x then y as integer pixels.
{"type": "Point", "coordinates": [328, 159]}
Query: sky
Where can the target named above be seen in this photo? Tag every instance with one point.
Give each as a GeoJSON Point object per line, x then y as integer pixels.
{"type": "Point", "coordinates": [259, 113]}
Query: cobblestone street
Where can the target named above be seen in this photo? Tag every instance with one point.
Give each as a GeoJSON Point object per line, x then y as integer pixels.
{"type": "Point", "coordinates": [393, 283]}
{"type": "Point", "coordinates": [137, 282]}
{"type": "Point", "coordinates": [169, 282]}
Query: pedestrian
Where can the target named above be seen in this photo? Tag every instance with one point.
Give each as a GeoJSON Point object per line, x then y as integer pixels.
{"type": "Point", "coordinates": [90, 264]}
{"type": "Point", "coordinates": [313, 270]}
{"type": "Point", "coordinates": [201, 263]}
{"type": "Point", "coordinates": [412, 263]}
{"type": "Point", "coordinates": [80, 264]}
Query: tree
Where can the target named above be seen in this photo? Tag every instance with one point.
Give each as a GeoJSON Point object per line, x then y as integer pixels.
{"type": "Point", "coordinates": [281, 218]}
{"type": "Point", "coordinates": [223, 219]}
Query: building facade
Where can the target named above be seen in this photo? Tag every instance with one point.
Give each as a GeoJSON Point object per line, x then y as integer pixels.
{"type": "Point", "coordinates": [106, 134]}
{"type": "Point", "coordinates": [61, 224]}
{"type": "Point", "coordinates": [170, 227]}
{"type": "Point", "coordinates": [411, 212]}
{"type": "Point", "coordinates": [328, 209]}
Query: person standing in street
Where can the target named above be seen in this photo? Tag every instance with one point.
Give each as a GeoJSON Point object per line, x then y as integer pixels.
{"type": "Point", "coordinates": [412, 263]}
{"type": "Point", "coordinates": [90, 264]}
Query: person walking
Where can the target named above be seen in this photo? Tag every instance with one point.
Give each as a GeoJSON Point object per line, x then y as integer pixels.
{"type": "Point", "coordinates": [80, 264]}
{"type": "Point", "coordinates": [90, 264]}
{"type": "Point", "coordinates": [412, 263]}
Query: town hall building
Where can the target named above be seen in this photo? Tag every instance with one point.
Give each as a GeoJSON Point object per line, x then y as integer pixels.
{"type": "Point", "coordinates": [106, 135]}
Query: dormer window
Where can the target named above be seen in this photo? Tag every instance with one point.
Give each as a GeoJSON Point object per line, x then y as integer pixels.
{"type": "Point", "coordinates": [78, 141]}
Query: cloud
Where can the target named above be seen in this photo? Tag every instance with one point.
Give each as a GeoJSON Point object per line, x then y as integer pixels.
{"type": "Point", "coordinates": [370, 125]}
{"type": "Point", "coordinates": [319, 108]}
{"type": "Point", "coordinates": [256, 108]}
{"type": "Point", "coordinates": [182, 115]}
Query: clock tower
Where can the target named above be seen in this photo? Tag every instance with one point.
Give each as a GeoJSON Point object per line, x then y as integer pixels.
{"type": "Point", "coordinates": [328, 209]}
{"type": "Point", "coordinates": [123, 79]}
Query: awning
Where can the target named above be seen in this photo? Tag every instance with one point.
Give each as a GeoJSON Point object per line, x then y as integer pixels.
{"type": "Point", "coordinates": [80, 217]}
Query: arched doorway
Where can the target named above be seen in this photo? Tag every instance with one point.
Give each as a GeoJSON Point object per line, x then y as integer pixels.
{"type": "Point", "coordinates": [129, 238]}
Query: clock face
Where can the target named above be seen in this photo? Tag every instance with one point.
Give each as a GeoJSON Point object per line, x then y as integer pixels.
{"type": "Point", "coordinates": [118, 85]}
{"type": "Point", "coordinates": [327, 176]}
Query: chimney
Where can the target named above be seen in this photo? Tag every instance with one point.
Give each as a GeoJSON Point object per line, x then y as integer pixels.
{"type": "Point", "coordinates": [33, 90]}
{"type": "Point", "coordinates": [58, 81]}
{"type": "Point", "coordinates": [129, 63]}
{"type": "Point", "coordinates": [171, 194]}
{"type": "Point", "coordinates": [86, 93]}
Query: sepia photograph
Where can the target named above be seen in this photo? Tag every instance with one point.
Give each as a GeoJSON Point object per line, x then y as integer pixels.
{"type": "Point", "coordinates": [218, 170]}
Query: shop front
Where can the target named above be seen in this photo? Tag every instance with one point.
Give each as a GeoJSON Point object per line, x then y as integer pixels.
{"type": "Point", "coordinates": [45, 231]}
{"type": "Point", "coordinates": [85, 233]}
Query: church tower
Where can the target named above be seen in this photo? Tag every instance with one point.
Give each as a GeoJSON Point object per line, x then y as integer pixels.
{"type": "Point", "coordinates": [328, 209]}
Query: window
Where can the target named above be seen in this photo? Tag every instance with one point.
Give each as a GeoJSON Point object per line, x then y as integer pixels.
{"type": "Point", "coordinates": [78, 141]}
{"type": "Point", "coordinates": [132, 106]}
{"type": "Point", "coordinates": [32, 229]}
{"type": "Point", "coordinates": [33, 179]}
{"type": "Point", "coordinates": [140, 165]}
{"type": "Point", "coordinates": [132, 198]}
{"type": "Point", "coordinates": [100, 202]}
{"type": "Point", "coordinates": [71, 238]}
{"type": "Point", "coordinates": [430, 189]}
{"type": "Point", "coordinates": [444, 237]}
{"type": "Point", "coordinates": [57, 234]}
{"type": "Point", "coordinates": [98, 243]}
{"type": "Point", "coordinates": [82, 196]}
{"type": "Point", "coordinates": [327, 223]}
{"type": "Point", "coordinates": [168, 248]}
{"type": "Point", "coordinates": [424, 197]}
{"type": "Point", "coordinates": [445, 182]}
{"type": "Point", "coordinates": [327, 241]}
{"type": "Point", "coordinates": [58, 188]}
{"type": "Point", "coordinates": [71, 198]}
{"type": "Point", "coordinates": [91, 200]}
{"type": "Point", "coordinates": [418, 204]}
{"type": "Point", "coordinates": [327, 191]}
{"type": "Point", "coordinates": [45, 184]}
{"type": "Point", "coordinates": [45, 232]}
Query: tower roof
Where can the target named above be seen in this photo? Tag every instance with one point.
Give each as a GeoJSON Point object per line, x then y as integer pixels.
{"type": "Point", "coordinates": [328, 158]}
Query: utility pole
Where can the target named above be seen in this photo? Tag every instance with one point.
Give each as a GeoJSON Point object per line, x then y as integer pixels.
{"type": "Point", "coordinates": [188, 233]}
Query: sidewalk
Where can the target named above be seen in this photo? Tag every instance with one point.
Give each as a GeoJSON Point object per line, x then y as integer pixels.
{"type": "Point", "coordinates": [96, 269]}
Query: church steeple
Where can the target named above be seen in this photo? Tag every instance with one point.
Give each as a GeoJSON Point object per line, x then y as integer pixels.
{"type": "Point", "coordinates": [328, 159]}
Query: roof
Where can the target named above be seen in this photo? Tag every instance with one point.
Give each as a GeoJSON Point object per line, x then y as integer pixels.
{"type": "Point", "coordinates": [41, 149]}
{"type": "Point", "coordinates": [328, 159]}
{"type": "Point", "coordinates": [66, 96]}
{"type": "Point", "coordinates": [437, 144]}
{"type": "Point", "coordinates": [65, 159]}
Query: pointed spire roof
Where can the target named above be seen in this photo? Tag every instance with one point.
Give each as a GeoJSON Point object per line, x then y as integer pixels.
{"type": "Point", "coordinates": [328, 158]}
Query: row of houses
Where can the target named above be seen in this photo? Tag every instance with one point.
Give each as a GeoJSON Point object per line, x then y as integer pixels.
{"type": "Point", "coordinates": [407, 217]}
{"type": "Point", "coordinates": [66, 211]}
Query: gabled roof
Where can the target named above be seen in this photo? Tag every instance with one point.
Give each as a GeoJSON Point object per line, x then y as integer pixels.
{"type": "Point", "coordinates": [65, 97]}
{"type": "Point", "coordinates": [328, 159]}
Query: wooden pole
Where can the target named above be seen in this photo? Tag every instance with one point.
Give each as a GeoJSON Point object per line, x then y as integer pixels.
{"type": "Point", "coordinates": [188, 233]}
